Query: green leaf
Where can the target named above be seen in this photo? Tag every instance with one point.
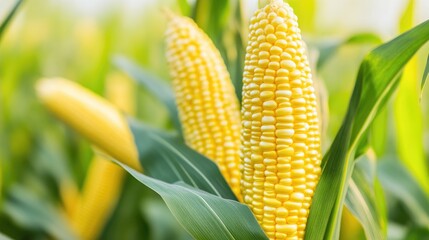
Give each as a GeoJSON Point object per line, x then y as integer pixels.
{"type": "Point", "coordinates": [212, 16]}
{"type": "Point", "coordinates": [184, 6]}
{"type": "Point", "coordinates": [363, 201]}
{"type": "Point", "coordinates": [9, 17]}
{"type": "Point", "coordinates": [425, 76]}
{"type": "Point", "coordinates": [35, 213]}
{"type": "Point", "coordinates": [203, 215]}
{"type": "Point", "coordinates": [328, 50]}
{"type": "Point", "coordinates": [417, 234]}
{"type": "Point", "coordinates": [376, 81]}
{"type": "Point", "coordinates": [306, 12]}
{"type": "Point", "coordinates": [397, 181]}
{"type": "Point", "coordinates": [378, 132]}
{"type": "Point", "coordinates": [162, 223]}
{"type": "Point", "coordinates": [156, 86]}
{"type": "Point", "coordinates": [166, 157]}
{"type": "Point", "coordinates": [4, 237]}
{"type": "Point", "coordinates": [408, 114]}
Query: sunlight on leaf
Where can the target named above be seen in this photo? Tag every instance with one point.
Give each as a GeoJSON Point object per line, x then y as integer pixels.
{"type": "Point", "coordinates": [376, 81]}
{"type": "Point", "coordinates": [408, 113]}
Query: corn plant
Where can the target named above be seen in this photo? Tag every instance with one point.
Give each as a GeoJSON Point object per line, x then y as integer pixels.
{"type": "Point", "coordinates": [225, 174]}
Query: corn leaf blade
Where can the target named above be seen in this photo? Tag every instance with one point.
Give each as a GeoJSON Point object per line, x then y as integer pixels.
{"type": "Point", "coordinates": [408, 114]}
{"type": "Point", "coordinates": [32, 212]}
{"type": "Point", "coordinates": [166, 157]}
{"type": "Point", "coordinates": [376, 81]}
{"type": "Point", "coordinates": [155, 85]}
{"type": "Point", "coordinates": [184, 6]}
{"type": "Point", "coordinates": [328, 50]}
{"type": "Point", "coordinates": [203, 215]}
{"type": "Point", "coordinates": [364, 202]}
{"type": "Point", "coordinates": [397, 181]}
{"type": "Point", "coordinates": [425, 76]}
{"type": "Point", "coordinates": [9, 17]}
{"type": "Point", "coordinates": [4, 237]}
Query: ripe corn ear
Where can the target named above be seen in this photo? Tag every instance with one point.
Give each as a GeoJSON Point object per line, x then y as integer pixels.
{"type": "Point", "coordinates": [104, 179]}
{"type": "Point", "coordinates": [280, 153]}
{"type": "Point", "coordinates": [92, 116]}
{"type": "Point", "coordinates": [205, 96]}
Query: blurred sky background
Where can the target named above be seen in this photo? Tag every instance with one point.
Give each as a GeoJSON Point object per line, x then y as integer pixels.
{"type": "Point", "coordinates": [343, 16]}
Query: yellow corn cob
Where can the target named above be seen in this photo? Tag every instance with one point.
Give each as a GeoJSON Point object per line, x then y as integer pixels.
{"type": "Point", "coordinates": [104, 178]}
{"type": "Point", "coordinates": [100, 193]}
{"type": "Point", "coordinates": [280, 131]}
{"type": "Point", "coordinates": [70, 196]}
{"type": "Point", "coordinates": [120, 92]}
{"type": "Point", "coordinates": [92, 116]}
{"type": "Point", "coordinates": [205, 97]}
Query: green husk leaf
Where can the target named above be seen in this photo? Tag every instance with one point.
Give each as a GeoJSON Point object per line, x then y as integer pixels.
{"type": "Point", "coordinates": [376, 81]}
{"type": "Point", "coordinates": [166, 157]}
{"type": "Point", "coordinates": [203, 215]}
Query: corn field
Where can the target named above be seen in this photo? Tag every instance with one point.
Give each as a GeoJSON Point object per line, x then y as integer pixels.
{"type": "Point", "coordinates": [227, 119]}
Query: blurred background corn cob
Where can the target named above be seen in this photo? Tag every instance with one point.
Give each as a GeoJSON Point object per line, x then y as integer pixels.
{"type": "Point", "coordinates": [104, 179]}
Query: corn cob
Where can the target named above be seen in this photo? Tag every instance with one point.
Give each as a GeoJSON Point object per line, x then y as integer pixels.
{"type": "Point", "coordinates": [100, 193]}
{"type": "Point", "coordinates": [104, 178]}
{"type": "Point", "coordinates": [69, 196]}
{"type": "Point", "coordinates": [205, 96]}
{"type": "Point", "coordinates": [280, 132]}
{"type": "Point", "coordinates": [92, 116]}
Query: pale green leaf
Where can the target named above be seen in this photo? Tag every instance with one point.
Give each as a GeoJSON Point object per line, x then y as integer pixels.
{"type": "Point", "coordinates": [306, 12]}
{"type": "Point", "coordinates": [408, 114]}
{"type": "Point", "coordinates": [329, 49]}
{"type": "Point", "coordinates": [365, 203]}
{"type": "Point", "coordinates": [4, 237]}
{"type": "Point", "coordinates": [156, 86]}
{"type": "Point", "coordinates": [34, 213]}
{"type": "Point", "coordinates": [184, 6]}
{"type": "Point", "coordinates": [376, 81]}
{"type": "Point", "coordinates": [397, 181]}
